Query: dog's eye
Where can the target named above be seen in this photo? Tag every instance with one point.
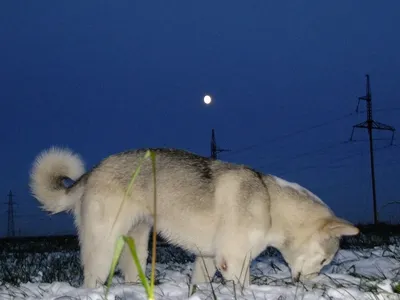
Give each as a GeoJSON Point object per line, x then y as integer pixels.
{"type": "Point", "coordinates": [324, 260]}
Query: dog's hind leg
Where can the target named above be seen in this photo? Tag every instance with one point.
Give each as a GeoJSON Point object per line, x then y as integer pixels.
{"type": "Point", "coordinates": [99, 232]}
{"type": "Point", "coordinates": [140, 234]}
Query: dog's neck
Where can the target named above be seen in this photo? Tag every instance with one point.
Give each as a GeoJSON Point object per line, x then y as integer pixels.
{"type": "Point", "coordinates": [291, 217]}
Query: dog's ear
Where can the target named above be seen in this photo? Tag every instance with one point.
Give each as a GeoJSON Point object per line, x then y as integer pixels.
{"type": "Point", "coordinates": [338, 227]}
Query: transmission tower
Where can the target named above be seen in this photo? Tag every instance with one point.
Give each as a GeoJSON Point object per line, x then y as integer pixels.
{"type": "Point", "coordinates": [10, 228]}
{"type": "Point", "coordinates": [214, 148]}
{"type": "Point", "coordinates": [370, 124]}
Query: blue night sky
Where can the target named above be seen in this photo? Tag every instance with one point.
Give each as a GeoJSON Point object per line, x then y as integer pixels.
{"type": "Point", "coordinates": [101, 77]}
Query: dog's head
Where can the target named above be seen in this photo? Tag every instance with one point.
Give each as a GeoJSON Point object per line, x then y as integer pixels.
{"type": "Point", "coordinates": [308, 252]}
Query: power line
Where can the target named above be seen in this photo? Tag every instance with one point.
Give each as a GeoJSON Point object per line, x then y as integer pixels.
{"type": "Point", "coordinates": [278, 138]}
{"type": "Point", "coordinates": [383, 109]}
{"type": "Point", "coordinates": [247, 148]}
{"type": "Point", "coordinates": [330, 146]}
{"type": "Point", "coordinates": [360, 153]}
{"type": "Point", "coordinates": [332, 164]}
{"type": "Point", "coordinates": [370, 124]}
{"type": "Point", "coordinates": [323, 150]}
{"type": "Point", "coordinates": [39, 215]}
{"type": "Point", "coordinates": [367, 140]}
{"type": "Point", "coordinates": [349, 165]}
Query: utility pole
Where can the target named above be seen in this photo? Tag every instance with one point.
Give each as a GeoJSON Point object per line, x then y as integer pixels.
{"type": "Point", "coordinates": [370, 124]}
{"type": "Point", "coordinates": [10, 228]}
{"type": "Point", "coordinates": [214, 148]}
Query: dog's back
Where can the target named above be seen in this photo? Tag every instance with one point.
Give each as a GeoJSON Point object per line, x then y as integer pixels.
{"type": "Point", "coordinates": [192, 192]}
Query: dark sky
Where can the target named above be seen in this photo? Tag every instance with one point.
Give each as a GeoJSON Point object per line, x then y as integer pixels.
{"type": "Point", "coordinates": [284, 75]}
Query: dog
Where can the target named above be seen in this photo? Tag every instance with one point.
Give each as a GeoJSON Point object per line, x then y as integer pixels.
{"type": "Point", "coordinates": [225, 214]}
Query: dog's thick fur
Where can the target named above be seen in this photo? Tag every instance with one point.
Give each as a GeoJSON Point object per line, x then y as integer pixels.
{"type": "Point", "coordinates": [224, 213]}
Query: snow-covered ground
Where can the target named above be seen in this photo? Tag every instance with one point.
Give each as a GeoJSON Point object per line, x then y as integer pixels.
{"type": "Point", "coordinates": [354, 274]}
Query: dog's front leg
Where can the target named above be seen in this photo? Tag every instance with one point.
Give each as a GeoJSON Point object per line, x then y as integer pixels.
{"type": "Point", "coordinates": [235, 268]}
{"type": "Point", "coordinates": [233, 257]}
{"type": "Point", "coordinates": [204, 270]}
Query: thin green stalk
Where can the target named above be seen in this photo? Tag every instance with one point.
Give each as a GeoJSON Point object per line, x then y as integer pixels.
{"type": "Point", "coordinates": [131, 243]}
{"type": "Point", "coordinates": [128, 191]}
{"type": "Point", "coordinates": [142, 276]}
{"type": "Point", "coordinates": [153, 257]}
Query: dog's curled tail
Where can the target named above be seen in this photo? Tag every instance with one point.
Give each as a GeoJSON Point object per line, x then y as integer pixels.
{"type": "Point", "coordinates": [49, 170]}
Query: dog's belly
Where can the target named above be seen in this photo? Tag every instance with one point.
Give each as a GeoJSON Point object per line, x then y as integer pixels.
{"type": "Point", "coordinates": [193, 233]}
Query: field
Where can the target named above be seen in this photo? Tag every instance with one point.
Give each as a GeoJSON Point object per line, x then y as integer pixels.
{"type": "Point", "coordinates": [366, 267]}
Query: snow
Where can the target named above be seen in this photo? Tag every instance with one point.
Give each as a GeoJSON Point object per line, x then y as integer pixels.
{"type": "Point", "coordinates": [353, 274]}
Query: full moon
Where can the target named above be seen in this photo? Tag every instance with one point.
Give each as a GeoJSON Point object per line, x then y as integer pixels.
{"type": "Point", "coordinates": [207, 99]}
